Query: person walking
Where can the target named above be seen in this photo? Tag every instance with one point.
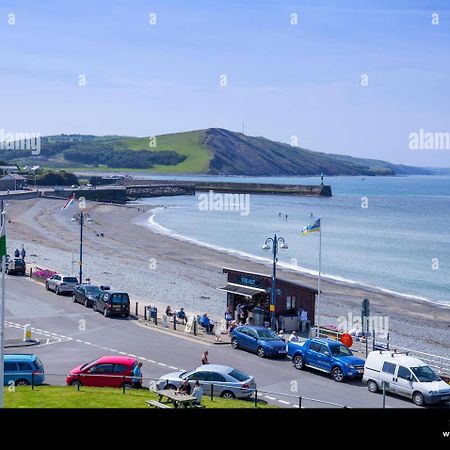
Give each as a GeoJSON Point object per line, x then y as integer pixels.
{"type": "Point", "coordinates": [228, 317]}
{"type": "Point", "coordinates": [137, 376]}
{"type": "Point", "coordinates": [205, 358]}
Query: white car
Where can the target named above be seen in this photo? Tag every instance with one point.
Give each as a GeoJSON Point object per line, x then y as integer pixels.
{"type": "Point", "coordinates": [61, 283]}
{"type": "Point", "coordinates": [406, 376]}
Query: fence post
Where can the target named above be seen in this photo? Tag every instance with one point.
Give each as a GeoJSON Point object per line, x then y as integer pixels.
{"type": "Point", "coordinates": [32, 381]}
{"type": "Point", "coordinates": [212, 391]}
{"type": "Point", "coordinates": [156, 315]}
{"type": "Point", "coordinates": [78, 382]}
{"type": "Point", "coordinates": [123, 384]}
{"type": "Point", "coordinates": [195, 326]}
{"type": "Point", "coordinates": [137, 308]}
{"type": "Point", "coordinates": [384, 394]}
{"type": "Point", "coordinates": [31, 272]}
{"type": "Point", "coordinates": [175, 320]}
{"type": "Point", "coordinates": [299, 403]}
{"type": "Point", "coordinates": [145, 313]}
{"type": "Point", "coordinates": [373, 340]}
{"type": "Point", "coordinates": [256, 398]}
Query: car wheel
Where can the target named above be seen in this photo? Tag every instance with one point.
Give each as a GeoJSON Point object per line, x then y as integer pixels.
{"type": "Point", "coordinates": [86, 303]}
{"type": "Point", "coordinates": [57, 291]}
{"type": "Point", "coordinates": [337, 374]}
{"type": "Point", "coordinates": [47, 287]}
{"type": "Point", "coordinates": [234, 343]}
{"type": "Point", "coordinates": [261, 352]}
{"type": "Point", "coordinates": [93, 306]}
{"type": "Point", "coordinates": [418, 399]}
{"type": "Point", "coordinates": [372, 386]}
{"type": "Point", "coordinates": [105, 312]}
{"type": "Point", "coordinates": [74, 299]}
{"type": "Point", "coordinates": [298, 362]}
{"type": "Point", "coordinates": [22, 383]}
{"type": "Point", "coordinates": [227, 394]}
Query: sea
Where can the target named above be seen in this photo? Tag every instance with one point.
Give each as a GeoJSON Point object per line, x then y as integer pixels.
{"type": "Point", "coordinates": [388, 233]}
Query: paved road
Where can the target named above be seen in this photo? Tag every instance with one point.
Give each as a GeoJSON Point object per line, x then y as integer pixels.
{"type": "Point", "coordinates": [71, 334]}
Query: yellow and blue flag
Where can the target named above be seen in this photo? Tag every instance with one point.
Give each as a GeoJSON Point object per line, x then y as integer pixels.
{"type": "Point", "coordinates": [315, 226]}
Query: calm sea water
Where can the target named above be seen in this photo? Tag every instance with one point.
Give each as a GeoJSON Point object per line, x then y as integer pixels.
{"type": "Point", "coordinates": [400, 242]}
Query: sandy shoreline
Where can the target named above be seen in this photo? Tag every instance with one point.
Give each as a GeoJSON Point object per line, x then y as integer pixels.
{"type": "Point", "coordinates": [161, 270]}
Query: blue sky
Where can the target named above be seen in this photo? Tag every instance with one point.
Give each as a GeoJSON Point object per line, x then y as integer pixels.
{"type": "Point", "coordinates": [283, 80]}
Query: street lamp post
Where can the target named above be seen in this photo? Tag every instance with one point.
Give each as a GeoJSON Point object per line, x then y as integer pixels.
{"type": "Point", "coordinates": [81, 218]}
{"type": "Point", "coordinates": [273, 243]}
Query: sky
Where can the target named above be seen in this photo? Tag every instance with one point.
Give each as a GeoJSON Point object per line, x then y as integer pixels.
{"type": "Point", "coordinates": [348, 76]}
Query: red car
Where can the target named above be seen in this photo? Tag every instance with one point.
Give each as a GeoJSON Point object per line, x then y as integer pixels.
{"type": "Point", "coordinates": [107, 371]}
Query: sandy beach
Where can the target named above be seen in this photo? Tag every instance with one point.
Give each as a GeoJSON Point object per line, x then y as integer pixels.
{"type": "Point", "coordinates": [160, 270]}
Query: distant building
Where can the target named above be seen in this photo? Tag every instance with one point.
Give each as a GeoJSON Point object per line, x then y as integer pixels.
{"type": "Point", "coordinates": [13, 181]}
{"type": "Point", "coordinates": [4, 170]}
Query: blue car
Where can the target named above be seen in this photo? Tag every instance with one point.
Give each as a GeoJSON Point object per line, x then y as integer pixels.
{"type": "Point", "coordinates": [19, 370]}
{"type": "Point", "coordinates": [260, 340]}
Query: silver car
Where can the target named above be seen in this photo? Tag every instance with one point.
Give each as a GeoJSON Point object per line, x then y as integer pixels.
{"type": "Point", "coordinates": [61, 283]}
{"type": "Point", "coordinates": [225, 381]}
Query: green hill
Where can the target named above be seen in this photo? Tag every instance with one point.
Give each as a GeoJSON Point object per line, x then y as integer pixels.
{"type": "Point", "coordinates": [213, 151]}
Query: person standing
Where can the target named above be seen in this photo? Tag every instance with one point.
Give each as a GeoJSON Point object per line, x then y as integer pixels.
{"type": "Point", "coordinates": [137, 376]}
{"type": "Point", "coordinates": [228, 317]}
{"type": "Point", "coordinates": [197, 393]}
{"type": "Point", "coordinates": [17, 253]}
{"type": "Point", "coordinates": [205, 358]}
{"type": "Point", "coordinates": [23, 253]}
{"type": "Point", "coordinates": [293, 337]}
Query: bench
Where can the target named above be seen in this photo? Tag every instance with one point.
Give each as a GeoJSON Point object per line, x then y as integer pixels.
{"type": "Point", "coordinates": [157, 404]}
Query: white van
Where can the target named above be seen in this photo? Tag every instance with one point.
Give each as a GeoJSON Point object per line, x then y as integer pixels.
{"type": "Point", "coordinates": [404, 375]}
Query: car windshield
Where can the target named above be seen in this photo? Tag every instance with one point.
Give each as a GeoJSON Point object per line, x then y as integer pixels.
{"type": "Point", "coordinates": [425, 374]}
{"type": "Point", "coordinates": [238, 375]}
{"type": "Point", "coordinates": [93, 290]}
{"type": "Point", "coordinates": [70, 280]}
{"type": "Point", "coordinates": [340, 350]}
{"type": "Point", "coordinates": [87, 364]}
{"type": "Point", "coordinates": [267, 334]}
{"type": "Point", "coordinates": [119, 299]}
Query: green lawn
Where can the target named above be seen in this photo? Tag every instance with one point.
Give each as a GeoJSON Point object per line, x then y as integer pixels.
{"type": "Point", "coordinates": [69, 397]}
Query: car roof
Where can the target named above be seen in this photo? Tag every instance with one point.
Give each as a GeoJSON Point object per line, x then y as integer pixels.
{"type": "Point", "coordinates": [214, 368]}
{"type": "Point", "coordinates": [116, 360]}
{"type": "Point", "coordinates": [20, 357]}
{"type": "Point", "coordinates": [89, 285]}
{"type": "Point", "coordinates": [64, 275]}
{"type": "Point", "coordinates": [399, 358]}
{"type": "Point", "coordinates": [116, 292]}
{"type": "Point", "coordinates": [327, 341]}
{"type": "Point", "coordinates": [254, 327]}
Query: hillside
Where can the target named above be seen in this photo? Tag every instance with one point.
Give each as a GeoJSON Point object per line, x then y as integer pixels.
{"type": "Point", "coordinates": [214, 151]}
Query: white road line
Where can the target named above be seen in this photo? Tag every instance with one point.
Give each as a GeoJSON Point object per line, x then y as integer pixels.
{"type": "Point", "coordinates": [87, 343]}
{"type": "Point", "coordinates": [151, 361]}
{"type": "Point", "coordinates": [131, 355]}
{"type": "Point", "coordinates": [112, 350]}
{"type": "Point", "coordinates": [174, 368]}
{"type": "Point", "coordinates": [122, 353]}
{"type": "Point", "coordinates": [162, 364]}
{"type": "Point", "coordinates": [104, 348]}
{"type": "Point", "coordinates": [284, 402]}
{"type": "Point", "coordinates": [78, 340]}
{"type": "Point", "coordinates": [48, 340]}
{"type": "Point", "coordinates": [295, 406]}
{"type": "Point", "coordinates": [270, 398]}
{"type": "Point", "coordinates": [141, 358]}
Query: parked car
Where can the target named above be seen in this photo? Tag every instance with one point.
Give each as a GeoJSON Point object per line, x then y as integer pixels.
{"type": "Point", "coordinates": [112, 303]}
{"type": "Point", "coordinates": [225, 381]}
{"type": "Point", "coordinates": [260, 340]}
{"type": "Point", "coordinates": [107, 371]}
{"type": "Point", "coordinates": [406, 376]}
{"type": "Point", "coordinates": [61, 283]}
{"type": "Point", "coordinates": [327, 356]}
{"type": "Point", "coordinates": [16, 266]}
{"type": "Point", "coordinates": [19, 368]}
{"type": "Point", "coordinates": [86, 294]}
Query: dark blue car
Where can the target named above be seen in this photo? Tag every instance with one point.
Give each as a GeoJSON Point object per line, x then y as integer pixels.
{"type": "Point", "coordinates": [260, 340]}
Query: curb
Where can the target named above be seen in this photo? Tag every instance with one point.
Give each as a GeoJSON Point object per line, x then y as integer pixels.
{"type": "Point", "coordinates": [20, 343]}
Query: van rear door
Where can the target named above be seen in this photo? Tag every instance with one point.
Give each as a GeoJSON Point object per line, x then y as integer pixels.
{"type": "Point", "coordinates": [387, 374]}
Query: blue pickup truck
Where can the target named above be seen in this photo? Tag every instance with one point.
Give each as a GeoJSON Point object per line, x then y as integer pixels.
{"type": "Point", "coordinates": [328, 356]}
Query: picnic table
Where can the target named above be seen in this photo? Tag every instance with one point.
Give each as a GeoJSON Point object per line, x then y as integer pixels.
{"type": "Point", "coordinates": [184, 400]}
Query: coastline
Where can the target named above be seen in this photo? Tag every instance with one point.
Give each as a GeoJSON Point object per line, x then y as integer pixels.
{"type": "Point", "coordinates": [161, 269]}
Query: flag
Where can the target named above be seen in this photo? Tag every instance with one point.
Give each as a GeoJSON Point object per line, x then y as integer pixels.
{"type": "Point", "coordinates": [3, 241]}
{"type": "Point", "coordinates": [315, 226]}
{"type": "Point", "coordinates": [68, 203]}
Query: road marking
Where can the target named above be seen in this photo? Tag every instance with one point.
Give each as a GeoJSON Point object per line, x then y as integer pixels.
{"type": "Point", "coordinates": [48, 340]}
{"type": "Point", "coordinates": [284, 402]}
{"type": "Point", "coordinates": [78, 340]}
{"type": "Point", "coordinates": [112, 350]}
{"type": "Point", "coordinates": [295, 406]}
{"type": "Point", "coordinates": [174, 368]}
{"type": "Point", "coordinates": [162, 364]}
{"type": "Point", "coordinates": [141, 358]}
{"type": "Point", "coordinates": [104, 348]}
{"type": "Point", "coordinates": [151, 361]}
{"type": "Point", "coordinates": [270, 398]}
{"type": "Point", "coordinates": [122, 353]}
{"type": "Point", "coordinates": [131, 355]}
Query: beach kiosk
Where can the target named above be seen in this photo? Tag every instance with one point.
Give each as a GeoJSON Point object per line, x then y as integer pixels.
{"type": "Point", "coordinates": [294, 306]}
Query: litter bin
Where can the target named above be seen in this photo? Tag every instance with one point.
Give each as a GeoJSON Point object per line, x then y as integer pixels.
{"type": "Point", "coordinates": [153, 313]}
{"type": "Point", "coordinates": [258, 316]}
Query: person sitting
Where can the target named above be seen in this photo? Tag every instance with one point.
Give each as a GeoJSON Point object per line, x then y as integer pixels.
{"type": "Point", "coordinates": [182, 316]}
{"type": "Point", "coordinates": [169, 312]}
{"type": "Point", "coordinates": [293, 337]}
{"type": "Point", "coordinates": [205, 322]}
{"type": "Point", "coordinates": [185, 388]}
{"type": "Point", "coordinates": [197, 393]}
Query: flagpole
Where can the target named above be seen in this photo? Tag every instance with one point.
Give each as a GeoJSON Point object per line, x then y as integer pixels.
{"type": "Point", "coordinates": [318, 280]}
{"type": "Point", "coordinates": [2, 320]}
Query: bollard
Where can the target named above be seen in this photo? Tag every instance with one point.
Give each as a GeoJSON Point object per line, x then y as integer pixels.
{"type": "Point", "coordinates": [195, 326]}
{"type": "Point", "coordinates": [78, 382]}
{"type": "Point", "coordinates": [32, 381]}
{"type": "Point", "coordinates": [299, 403]}
{"type": "Point", "coordinates": [256, 398]}
{"type": "Point", "coordinates": [137, 308]}
{"type": "Point", "coordinates": [145, 312]}
{"type": "Point", "coordinates": [27, 332]}
{"type": "Point", "coordinates": [31, 272]}
{"type": "Point", "coordinates": [212, 391]}
{"type": "Point", "coordinates": [123, 384]}
{"type": "Point", "coordinates": [175, 320]}
{"type": "Point", "coordinates": [384, 394]}
{"type": "Point", "coordinates": [156, 315]}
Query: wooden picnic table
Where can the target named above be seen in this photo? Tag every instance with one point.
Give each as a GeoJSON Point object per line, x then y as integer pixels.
{"type": "Point", "coordinates": [184, 400]}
